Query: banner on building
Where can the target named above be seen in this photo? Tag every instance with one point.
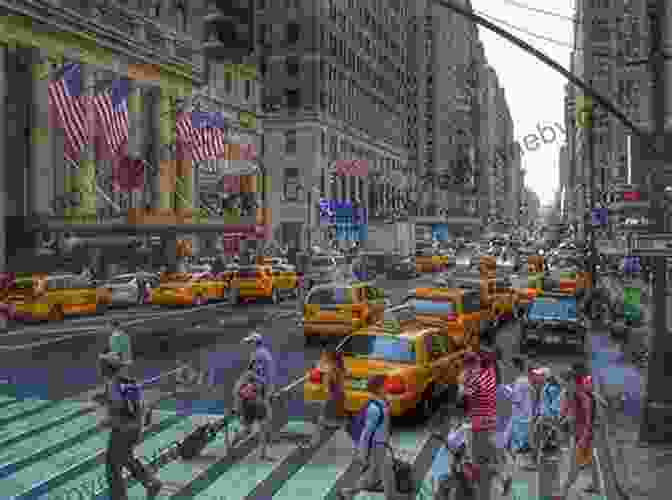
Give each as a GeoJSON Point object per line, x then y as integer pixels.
{"type": "Point", "coordinates": [247, 71]}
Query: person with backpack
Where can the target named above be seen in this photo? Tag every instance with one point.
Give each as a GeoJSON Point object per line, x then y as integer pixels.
{"type": "Point", "coordinates": [370, 431]}
{"type": "Point", "coordinates": [333, 411]}
{"type": "Point", "coordinates": [480, 397]}
{"type": "Point", "coordinates": [125, 416]}
{"type": "Point", "coordinates": [262, 366]}
{"type": "Point", "coordinates": [579, 406]}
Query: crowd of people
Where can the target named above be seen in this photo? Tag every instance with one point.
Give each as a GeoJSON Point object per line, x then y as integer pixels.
{"type": "Point", "coordinates": [545, 408]}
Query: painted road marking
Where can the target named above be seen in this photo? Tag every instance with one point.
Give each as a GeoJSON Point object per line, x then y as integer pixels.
{"type": "Point", "coordinates": [23, 483]}
{"type": "Point", "coordinates": [244, 476]}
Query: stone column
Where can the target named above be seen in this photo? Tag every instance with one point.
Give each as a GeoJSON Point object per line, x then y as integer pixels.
{"type": "Point", "coordinates": [41, 144]}
{"type": "Point", "coordinates": [164, 131]}
{"type": "Point", "coordinates": [135, 135]}
{"type": "Point", "coordinates": [85, 177]}
{"type": "Point", "coordinates": [4, 161]}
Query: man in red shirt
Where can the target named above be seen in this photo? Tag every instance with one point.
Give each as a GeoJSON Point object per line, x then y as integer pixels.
{"type": "Point", "coordinates": [579, 406]}
{"type": "Point", "coordinates": [480, 397]}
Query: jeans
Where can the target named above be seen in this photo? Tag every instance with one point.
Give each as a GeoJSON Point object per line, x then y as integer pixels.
{"type": "Point", "coordinates": [379, 472]}
{"type": "Point", "coordinates": [119, 455]}
{"type": "Point", "coordinates": [485, 452]}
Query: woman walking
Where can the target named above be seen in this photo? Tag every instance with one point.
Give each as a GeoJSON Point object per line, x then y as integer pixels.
{"type": "Point", "coordinates": [333, 411]}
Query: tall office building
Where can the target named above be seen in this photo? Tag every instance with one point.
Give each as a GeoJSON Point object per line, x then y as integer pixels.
{"type": "Point", "coordinates": [608, 34]}
{"type": "Point", "coordinates": [335, 75]}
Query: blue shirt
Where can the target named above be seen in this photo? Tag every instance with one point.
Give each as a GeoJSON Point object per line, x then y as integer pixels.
{"type": "Point", "coordinates": [263, 365]}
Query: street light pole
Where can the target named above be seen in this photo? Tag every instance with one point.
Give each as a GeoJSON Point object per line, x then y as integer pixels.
{"type": "Point", "coordinates": [657, 409]}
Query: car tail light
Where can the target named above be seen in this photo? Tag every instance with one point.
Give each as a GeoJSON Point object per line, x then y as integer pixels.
{"type": "Point", "coordinates": [315, 376]}
{"type": "Point", "coordinates": [531, 293]}
{"type": "Point", "coordinates": [395, 385]}
{"type": "Point", "coordinates": [452, 317]}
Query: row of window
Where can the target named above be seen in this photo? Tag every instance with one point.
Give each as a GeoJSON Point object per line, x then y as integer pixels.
{"type": "Point", "coordinates": [248, 86]}
{"type": "Point", "coordinates": [338, 48]}
{"type": "Point", "coordinates": [292, 34]}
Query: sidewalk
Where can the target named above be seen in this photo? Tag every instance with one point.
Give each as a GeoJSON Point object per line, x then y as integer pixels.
{"type": "Point", "coordinates": [640, 470]}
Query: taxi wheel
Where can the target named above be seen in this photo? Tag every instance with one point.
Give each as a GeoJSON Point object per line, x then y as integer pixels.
{"type": "Point", "coordinates": [56, 313]}
{"type": "Point", "coordinates": [101, 307]}
{"type": "Point", "coordinates": [426, 405]}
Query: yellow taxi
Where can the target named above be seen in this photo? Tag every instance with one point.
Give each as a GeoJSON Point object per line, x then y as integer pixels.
{"type": "Point", "coordinates": [339, 308]}
{"type": "Point", "coordinates": [254, 282]}
{"type": "Point", "coordinates": [430, 260]}
{"type": "Point", "coordinates": [186, 289]}
{"type": "Point", "coordinates": [285, 279]}
{"type": "Point", "coordinates": [415, 358]}
{"type": "Point", "coordinates": [54, 296]}
{"type": "Point", "coordinates": [505, 300]}
{"type": "Point", "coordinates": [456, 311]}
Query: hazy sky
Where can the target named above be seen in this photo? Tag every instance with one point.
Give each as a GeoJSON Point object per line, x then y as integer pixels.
{"type": "Point", "coordinates": [535, 92]}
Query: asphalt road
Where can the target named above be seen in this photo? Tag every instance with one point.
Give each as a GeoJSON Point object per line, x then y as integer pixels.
{"type": "Point", "coordinates": [60, 361]}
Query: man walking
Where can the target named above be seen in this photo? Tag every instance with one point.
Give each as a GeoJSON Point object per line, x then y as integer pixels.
{"type": "Point", "coordinates": [579, 407]}
{"type": "Point", "coordinates": [125, 417]}
{"type": "Point", "coordinates": [480, 397]}
{"type": "Point", "coordinates": [372, 451]}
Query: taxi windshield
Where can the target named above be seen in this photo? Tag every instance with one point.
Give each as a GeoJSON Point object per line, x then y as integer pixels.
{"type": "Point", "coordinates": [565, 308]}
{"type": "Point", "coordinates": [384, 348]}
{"type": "Point", "coordinates": [427, 306]}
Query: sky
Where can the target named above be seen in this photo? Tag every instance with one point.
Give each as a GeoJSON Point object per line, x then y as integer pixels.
{"type": "Point", "coordinates": [535, 93]}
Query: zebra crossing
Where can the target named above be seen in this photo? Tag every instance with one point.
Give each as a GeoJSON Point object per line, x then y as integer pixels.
{"type": "Point", "coordinates": [56, 451]}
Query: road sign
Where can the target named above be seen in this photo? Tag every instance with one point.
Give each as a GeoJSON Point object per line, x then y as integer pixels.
{"type": "Point", "coordinates": [652, 244]}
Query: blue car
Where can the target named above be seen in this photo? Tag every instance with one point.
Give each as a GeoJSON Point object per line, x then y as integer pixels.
{"type": "Point", "coordinates": [553, 318]}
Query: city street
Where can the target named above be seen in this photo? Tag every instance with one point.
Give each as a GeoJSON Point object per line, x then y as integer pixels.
{"type": "Point", "coordinates": [65, 448]}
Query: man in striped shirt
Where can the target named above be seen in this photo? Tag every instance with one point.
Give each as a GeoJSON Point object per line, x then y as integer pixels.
{"type": "Point", "coordinates": [480, 394]}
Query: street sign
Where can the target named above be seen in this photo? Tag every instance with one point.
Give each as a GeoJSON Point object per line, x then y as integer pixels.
{"type": "Point", "coordinates": [652, 244]}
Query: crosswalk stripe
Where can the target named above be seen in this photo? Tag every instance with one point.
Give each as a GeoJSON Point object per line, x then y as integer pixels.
{"type": "Point", "coordinates": [65, 464]}
{"type": "Point", "coordinates": [23, 408]}
{"type": "Point", "coordinates": [63, 460]}
{"type": "Point", "coordinates": [242, 479]}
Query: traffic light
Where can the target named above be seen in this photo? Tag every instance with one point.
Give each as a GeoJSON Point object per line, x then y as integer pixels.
{"type": "Point", "coordinates": [229, 30]}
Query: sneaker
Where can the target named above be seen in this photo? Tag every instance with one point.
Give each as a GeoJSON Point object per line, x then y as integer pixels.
{"type": "Point", "coordinates": [592, 489]}
{"type": "Point", "coordinates": [154, 488]}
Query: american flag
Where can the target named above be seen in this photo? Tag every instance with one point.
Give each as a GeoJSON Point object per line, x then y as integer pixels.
{"type": "Point", "coordinates": [357, 168]}
{"type": "Point", "coordinates": [69, 105]}
{"type": "Point", "coordinates": [112, 110]}
{"type": "Point", "coordinates": [210, 137]}
{"type": "Point", "coordinates": [186, 133]}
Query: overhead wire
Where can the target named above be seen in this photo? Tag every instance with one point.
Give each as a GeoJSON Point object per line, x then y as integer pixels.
{"type": "Point", "coordinates": [540, 36]}
{"type": "Point", "coordinates": [541, 11]}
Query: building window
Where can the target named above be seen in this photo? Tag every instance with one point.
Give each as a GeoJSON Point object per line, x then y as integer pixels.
{"type": "Point", "coordinates": [323, 184]}
{"type": "Point", "coordinates": [292, 66]}
{"type": "Point", "coordinates": [291, 189]}
{"type": "Point", "coordinates": [290, 142]}
{"type": "Point", "coordinates": [323, 142]}
{"type": "Point", "coordinates": [293, 33]}
{"type": "Point", "coordinates": [293, 98]}
{"type": "Point", "coordinates": [248, 89]}
{"type": "Point", "coordinates": [324, 101]}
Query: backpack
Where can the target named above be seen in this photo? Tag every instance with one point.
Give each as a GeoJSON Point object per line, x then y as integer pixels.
{"type": "Point", "coordinates": [248, 392]}
{"type": "Point", "coordinates": [132, 396]}
{"type": "Point", "coordinates": [356, 425]}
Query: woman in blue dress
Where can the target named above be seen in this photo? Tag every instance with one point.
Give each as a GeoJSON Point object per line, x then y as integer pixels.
{"type": "Point", "coordinates": [514, 435]}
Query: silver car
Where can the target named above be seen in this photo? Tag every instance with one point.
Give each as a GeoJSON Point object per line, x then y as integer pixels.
{"type": "Point", "coordinates": [125, 288]}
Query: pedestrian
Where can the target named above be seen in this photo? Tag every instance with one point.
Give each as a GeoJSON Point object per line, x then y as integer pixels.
{"type": "Point", "coordinates": [252, 409]}
{"type": "Point", "coordinates": [516, 436]}
{"type": "Point", "coordinates": [125, 417]}
{"type": "Point", "coordinates": [120, 343]}
{"type": "Point", "coordinates": [579, 407]}
{"type": "Point", "coordinates": [333, 411]}
{"type": "Point", "coordinates": [262, 364]}
{"type": "Point", "coordinates": [371, 449]}
{"type": "Point", "coordinates": [480, 395]}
